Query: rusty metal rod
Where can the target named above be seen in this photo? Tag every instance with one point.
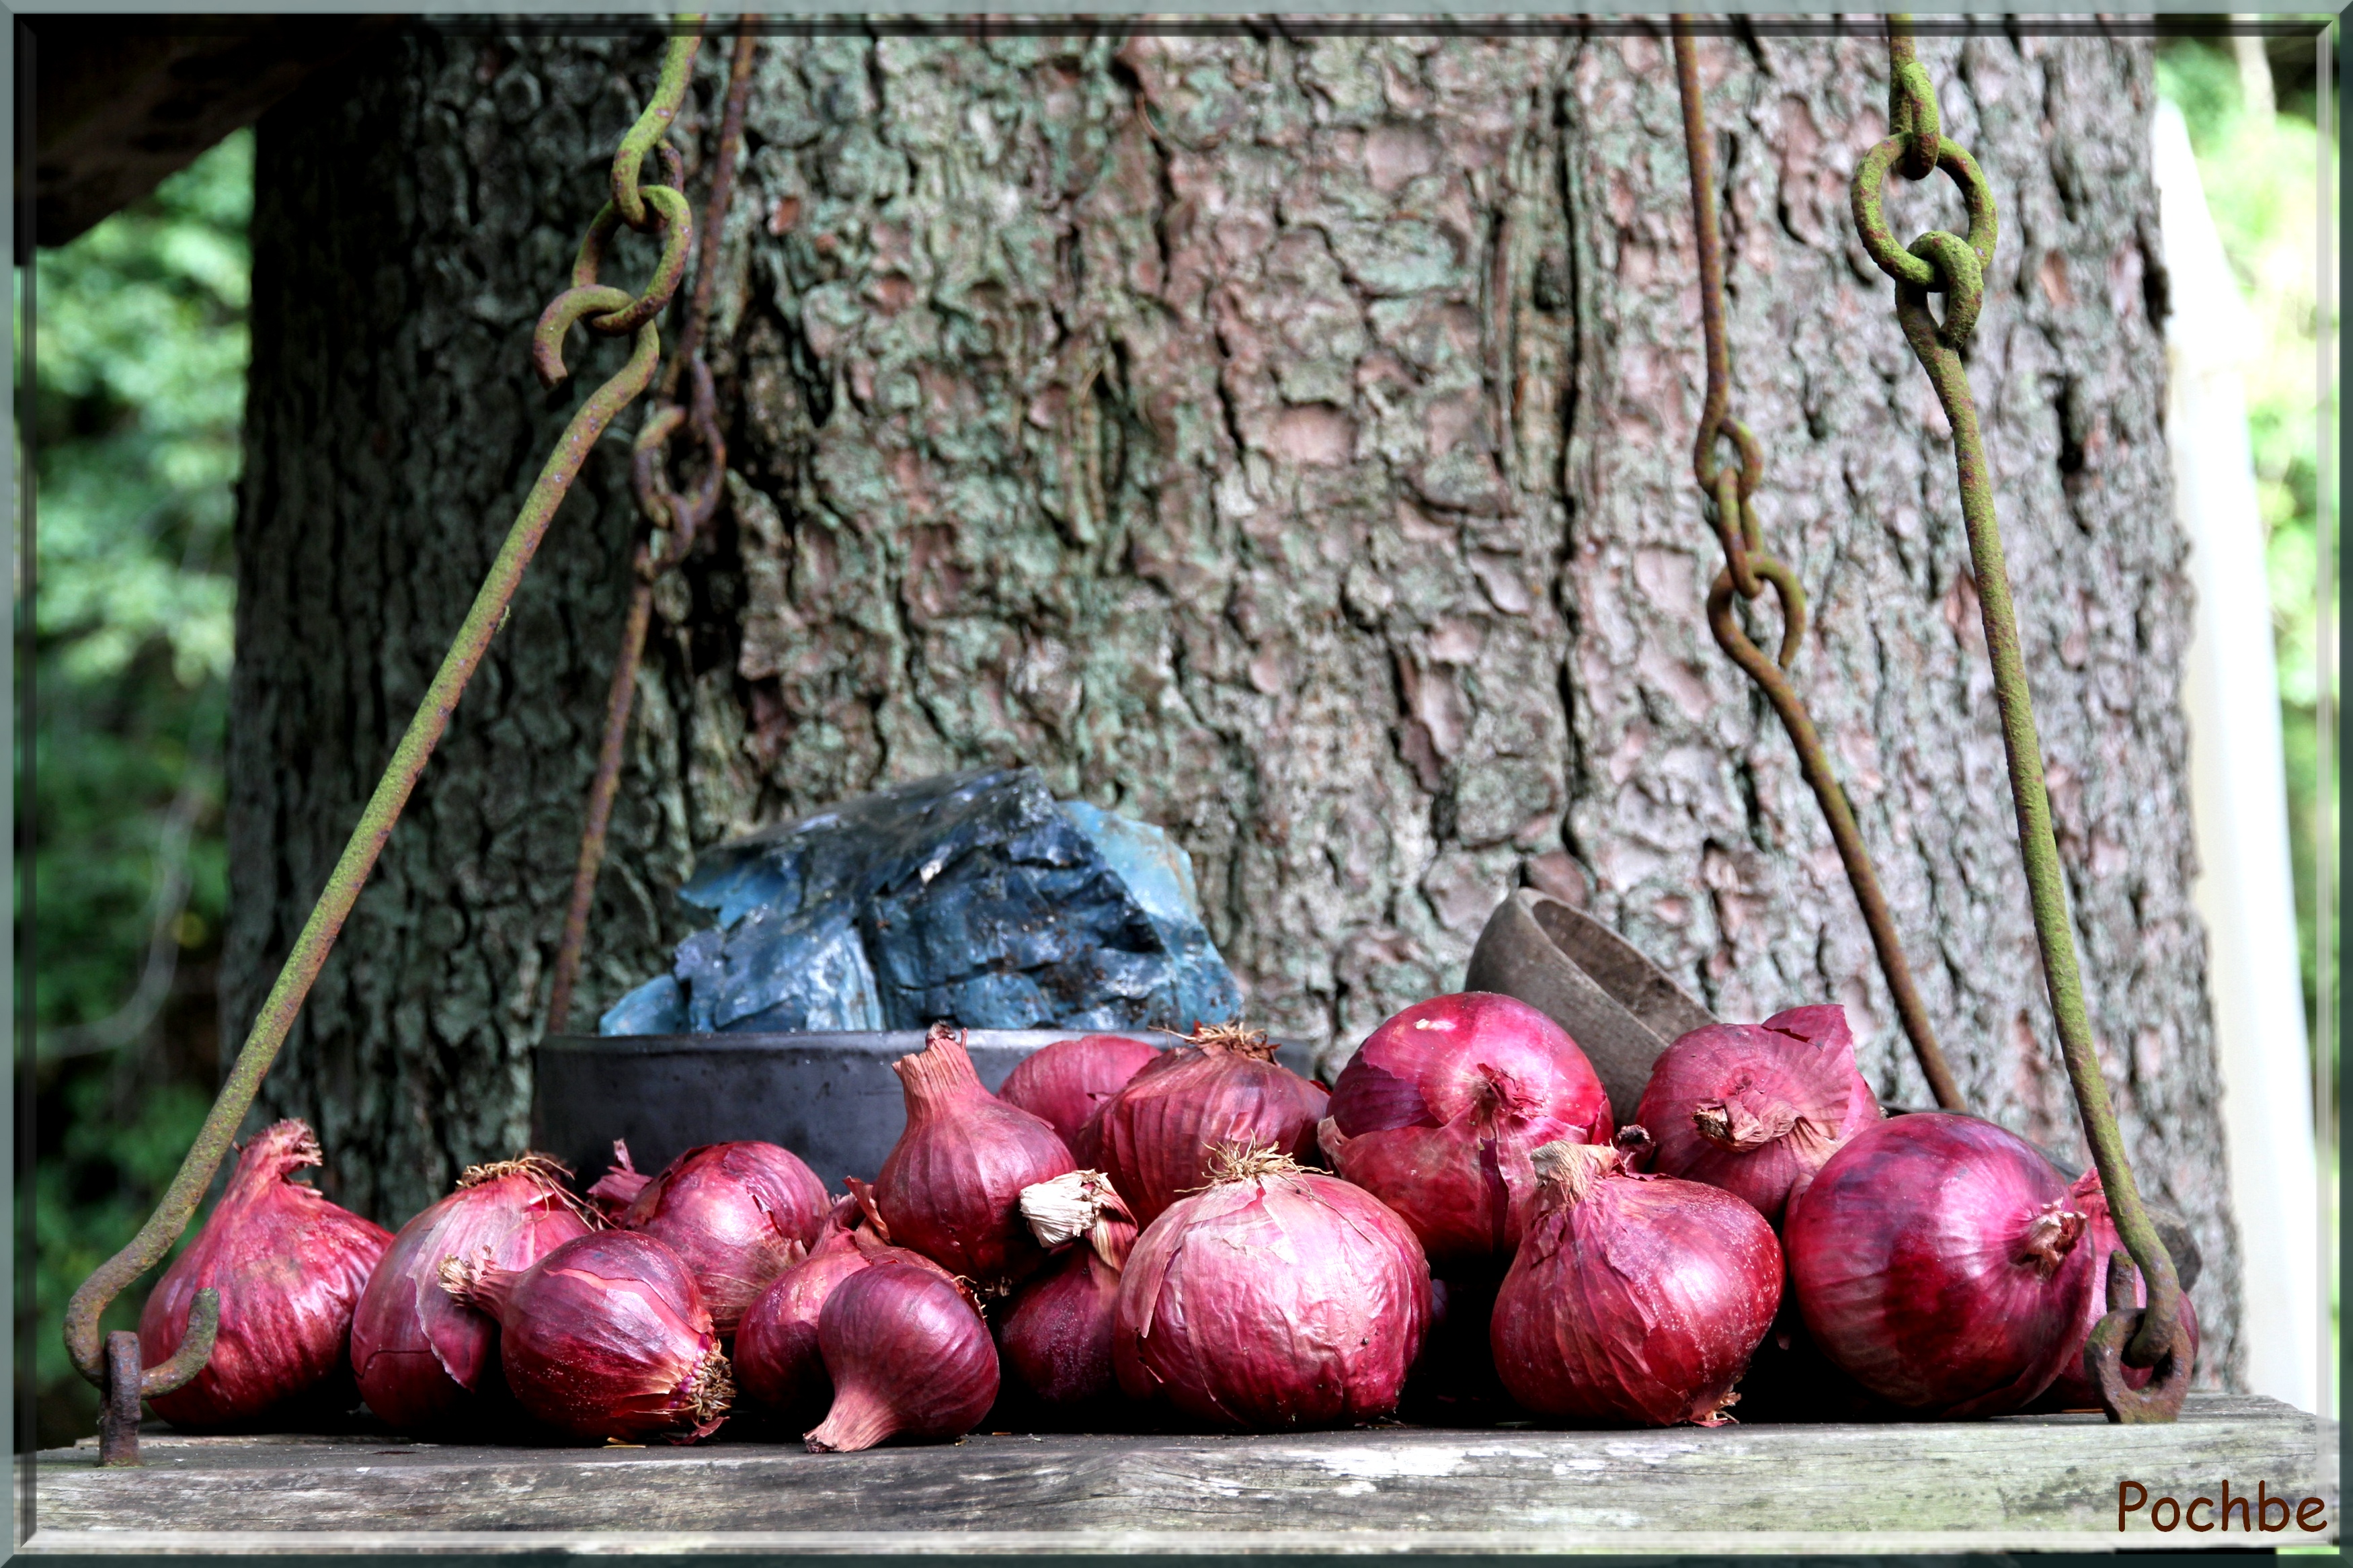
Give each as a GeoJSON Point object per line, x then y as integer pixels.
{"type": "Point", "coordinates": [1745, 565]}
{"type": "Point", "coordinates": [600, 803]}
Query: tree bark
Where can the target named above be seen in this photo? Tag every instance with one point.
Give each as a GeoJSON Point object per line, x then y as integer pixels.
{"type": "Point", "coordinates": [1283, 438]}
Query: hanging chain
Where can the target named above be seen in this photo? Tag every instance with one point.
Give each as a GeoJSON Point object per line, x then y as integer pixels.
{"type": "Point", "coordinates": [1730, 491]}
{"type": "Point", "coordinates": [605, 311]}
{"type": "Point", "coordinates": [672, 522]}
{"type": "Point", "coordinates": [1948, 264]}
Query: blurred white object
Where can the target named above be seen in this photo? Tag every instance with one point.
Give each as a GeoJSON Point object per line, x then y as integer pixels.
{"type": "Point", "coordinates": [2238, 796]}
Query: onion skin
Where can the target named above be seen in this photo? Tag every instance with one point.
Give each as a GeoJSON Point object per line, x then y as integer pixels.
{"type": "Point", "coordinates": [1758, 1108]}
{"type": "Point", "coordinates": [1156, 1137]}
{"type": "Point", "coordinates": [612, 1193]}
{"type": "Point", "coordinates": [1057, 1338]}
{"type": "Point", "coordinates": [909, 1357]}
{"type": "Point", "coordinates": [1936, 1260]}
{"type": "Point", "coordinates": [606, 1337]}
{"type": "Point", "coordinates": [1439, 1109]}
{"type": "Point", "coordinates": [425, 1360]}
{"type": "Point", "coordinates": [1280, 1298]}
{"type": "Point", "coordinates": [290, 1267]}
{"type": "Point", "coordinates": [2073, 1389]}
{"type": "Point", "coordinates": [951, 1185]}
{"type": "Point", "coordinates": [778, 1365]}
{"type": "Point", "coordinates": [1064, 1084]}
{"type": "Point", "coordinates": [1635, 1298]}
{"type": "Point", "coordinates": [740, 1214]}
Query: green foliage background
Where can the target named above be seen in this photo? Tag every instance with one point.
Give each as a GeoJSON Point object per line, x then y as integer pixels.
{"type": "Point", "coordinates": [138, 357]}
{"type": "Point", "coordinates": [140, 368]}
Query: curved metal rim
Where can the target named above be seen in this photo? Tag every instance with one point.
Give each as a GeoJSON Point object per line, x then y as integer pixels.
{"type": "Point", "coordinates": [896, 1042]}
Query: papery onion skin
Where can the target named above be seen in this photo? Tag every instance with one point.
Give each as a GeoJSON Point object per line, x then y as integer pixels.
{"type": "Point", "coordinates": [612, 1194]}
{"type": "Point", "coordinates": [777, 1364]}
{"type": "Point", "coordinates": [951, 1185]}
{"type": "Point", "coordinates": [1279, 1297]}
{"type": "Point", "coordinates": [1936, 1260]}
{"type": "Point", "coordinates": [909, 1357]}
{"type": "Point", "coordinates": [1156, 1137]}
{"type": "Point", "coordinates": [1056, 1339]}
{"type": "Point", "coordinates": [290, 1267]}
{"type": "Point", "coordinates": [606, 1337]}
{"type": "Point", "coordinates": [425, 1360]}
{"type": "Point", "coordinates": [2073, 1389]}
{"type": "Point", "coordinates": [1064, 1084]}
{"type": "Point", "coordinates": [1437, 1112]}
{"type": "Point", "coordinates": [1635, 1298]}
{"type": "Point", "coordinates": [1758, 1108]}
{"type": "Point", "coordinates": [740, 1214]}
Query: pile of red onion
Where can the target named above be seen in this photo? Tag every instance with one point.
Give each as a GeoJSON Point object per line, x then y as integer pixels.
{"type": "Point", "coordinates": [1757, 1109]}
{"type": "Point", "coordinates": [1942, 1262]}
{"type": "Point", "coordinates": [1194, 1268]}
{"type": "Point", "coordinates": [951, 1187]}
{"type": "Point", "coordinates": [1057, 1336]}
{"type": "Point", "coordinates": [290, 1267]}
{"type": "Point", "coordinates": [606, 1337]}
{"type": "Point", "coordinates": [1634, 1299]}
{"type": "Point", "coordinates": [778, 1365]}
{"type": "Point", "coordinates": [1278, 1297]}
{"type": "Point", "coordinates": [1066, 1083]}
{"type": "Point", "coordinates": [1439, 1109]}
{"type": "Point", "coordinates": [1154, 1137]}
{"type": "Point", "coordinates": [739, 1213]}
{"type": "Point", "coordinates": [425, 1360]}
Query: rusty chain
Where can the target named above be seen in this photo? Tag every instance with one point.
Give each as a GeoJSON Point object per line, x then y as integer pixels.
{"type": "Point", "coordinates": [114, 1365]}
{"type": "Point", "coordinates": [1955, 266]}
{"type": "Point", "coordinates": [672, 522]}
{"type": "Point", "coordinates": [1729, 490]}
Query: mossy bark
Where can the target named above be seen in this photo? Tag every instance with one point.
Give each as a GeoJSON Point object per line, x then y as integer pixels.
{"type": "Point", "coordinates": [1281, 438]}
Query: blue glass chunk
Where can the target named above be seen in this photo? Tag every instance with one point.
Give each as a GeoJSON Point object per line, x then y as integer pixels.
{"type": "Point", "coordinates": [973, 897]}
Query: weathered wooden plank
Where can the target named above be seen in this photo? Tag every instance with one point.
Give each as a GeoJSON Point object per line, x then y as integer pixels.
{"type": "Point", "coordinates": [2025, 1478]}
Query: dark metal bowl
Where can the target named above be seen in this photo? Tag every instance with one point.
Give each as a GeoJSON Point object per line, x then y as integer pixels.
{"type": "Point", "coordinates": [831, 1098]}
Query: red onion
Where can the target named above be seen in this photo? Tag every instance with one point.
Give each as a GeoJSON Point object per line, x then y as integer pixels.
{"type": "Point", "coordinates": [777, 1362]}
{"type": "Point", "coordinates": [1634, 1298]}
{"type": "Point", "coordinates": [1935, 1259]}
{"type": "Point", "coordinates": [2073, 1389]}
{"type": "Point", "coordinates": [1279, 1296]}
{"type": "Point", "coordinates": [422, 1358]}
{"type": "Point", "coordinates": [1064, 1084]}
{"type": "Point", "coordinates": [1437, 1109]}
{"type": "Point", "coordinates": [1154, 1137]}
{"type": "Point", "coordinates": [740, 1214]}
{"type": "Point", "coordinates": [290, 1267]}
{"type": "Point", "coordinates": [1755, 1108]}
{"type": "Point", "coordinates": [605, 1337]}
{"type": "Point", "coordinates": [1057, 1338]}
{"type": "Point", "coordinates": [909, 1357]}
{"type": "Point", "coordinates": [951, 1185]}
{"type": "Point", "coordinates": [616, 1189]}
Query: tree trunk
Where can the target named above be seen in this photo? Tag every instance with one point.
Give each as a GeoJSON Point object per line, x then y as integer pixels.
{"type": "Point", "coordinates": [1281, 438]}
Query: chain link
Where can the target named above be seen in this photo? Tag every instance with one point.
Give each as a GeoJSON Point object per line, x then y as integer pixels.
{"type": "Point", "coordinates": [673, 520]}
{"type": "Point", "coordinates": [1955, 267]}
{"type": "Point", "coordinates": [112, 1365]}
{"type": "Point", "coordinates": [1730, 489]}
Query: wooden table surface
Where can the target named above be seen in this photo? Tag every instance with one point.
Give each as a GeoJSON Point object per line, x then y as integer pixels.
{"type": "Point", "coordinates": [2047, 1482]}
